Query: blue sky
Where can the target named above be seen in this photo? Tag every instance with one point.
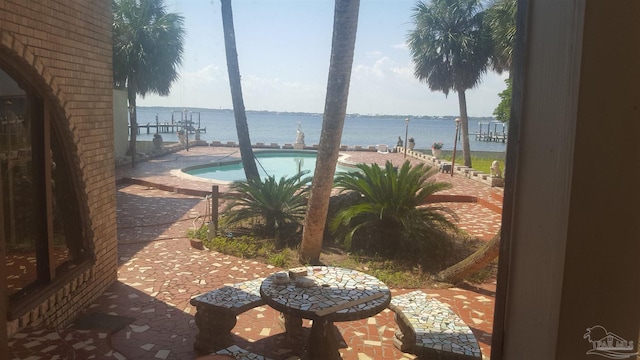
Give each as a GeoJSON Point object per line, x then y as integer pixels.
{"type": "Point", "coordinates": [283, 52]}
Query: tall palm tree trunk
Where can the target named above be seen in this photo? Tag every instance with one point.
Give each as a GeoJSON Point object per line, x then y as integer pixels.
{"type": "Point", "coordinates": [464, 125]}
{"type": "Point", "coordinates": [133, 117]}
{"type": "Point", "coordinates": [345, 25]}
{"type": "Point", "coordinates": [473, 263]}
{"type": "Point", "coordinates": [242, 128]}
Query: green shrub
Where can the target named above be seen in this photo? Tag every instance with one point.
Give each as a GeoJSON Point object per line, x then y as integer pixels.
{"type": "Point", "coordinates": [199, 233]}
{"type": "Point", "coordinates": [338, 202]}
{"type": "Point", "coordinates": [243, 246]}
{"type": "Point", "coordinates": [273, 208]}
{"type": "Point", "coordinates": [391, 215]}
{"type": "Point", "coordinates": [400, 278]}
{"type": "Point", "coordinates": [282, 258]}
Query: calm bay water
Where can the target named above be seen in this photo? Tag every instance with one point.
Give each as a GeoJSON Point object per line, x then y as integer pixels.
{"type": "Point", "coordinates": [281, 128]}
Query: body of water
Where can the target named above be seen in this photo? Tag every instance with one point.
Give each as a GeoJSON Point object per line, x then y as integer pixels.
{"type": "Point", "coordinates": [281, 128]}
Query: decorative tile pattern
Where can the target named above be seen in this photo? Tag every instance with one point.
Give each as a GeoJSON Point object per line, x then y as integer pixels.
{"type": "Point", "coordinates": [332, 286]}
{"type": "Point", "coordinates": [238, 298]}
{"type": "Point", "coordinates": [157, 264]}
{"type": "Point", "coordinates": [39, 343]}
{"type": "Point", "coordinates": [241, 354]}
{"type": "Point", "coordinates": [435, 326]}
{"type": "Point", "coordinates": [217, 310]}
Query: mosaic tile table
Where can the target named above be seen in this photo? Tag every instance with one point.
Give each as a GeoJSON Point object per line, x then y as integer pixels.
{"type": "Point", "coordinates": [337, 294]}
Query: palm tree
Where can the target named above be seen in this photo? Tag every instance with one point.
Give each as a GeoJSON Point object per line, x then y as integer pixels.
{"type": "Point", "coordinates": [274, 205]}
{"type": "Point", "coordinates": [450, 51]}
{"type": "Point", "coordinates": [147, 49]}
{"type": "Point", "coordinates": [242, 128]}
{"type": "Point", "coordinates": [501, 23]}
{"type": "Point", "coordinates": [473, 263]}
{"type": "Point", "coordinates": [345, 24]}
{"type": "Point", "coordinates": [391, 213]}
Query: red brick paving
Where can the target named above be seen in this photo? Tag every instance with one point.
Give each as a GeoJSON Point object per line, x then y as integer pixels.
{"type": "Point", "coordinates": [159, 272]}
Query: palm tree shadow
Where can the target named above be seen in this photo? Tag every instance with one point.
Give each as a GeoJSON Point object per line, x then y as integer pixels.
{"type": "Point", "coordinates": [146, 318]}
{"type": "Point", "coordinates": [477, 289]}
{"type": "Point", "coordinates": [143, 219]}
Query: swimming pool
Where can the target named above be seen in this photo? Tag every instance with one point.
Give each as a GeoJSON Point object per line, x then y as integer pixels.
{"type": "Point", "coordinates": [270, 163]}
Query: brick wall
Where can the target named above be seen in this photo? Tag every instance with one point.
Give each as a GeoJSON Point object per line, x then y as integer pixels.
{"type": "Point", "coordinates": [65, 45]}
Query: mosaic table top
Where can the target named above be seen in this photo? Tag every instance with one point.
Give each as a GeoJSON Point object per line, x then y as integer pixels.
{"type": "Point", "coordinates": [336, 294]}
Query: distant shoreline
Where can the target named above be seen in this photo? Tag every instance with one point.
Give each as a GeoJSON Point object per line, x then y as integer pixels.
{"type": "Point", "coordinates": [280, 128]}
{"type": "Point", "coordinates": [426, 117]}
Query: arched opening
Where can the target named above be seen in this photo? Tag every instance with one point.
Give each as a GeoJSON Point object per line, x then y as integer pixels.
{"type": "Point", "coordinates": [45, 232]}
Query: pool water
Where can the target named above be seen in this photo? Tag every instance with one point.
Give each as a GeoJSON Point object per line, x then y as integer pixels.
{"type": "Point", "coordinates": [277, 164]}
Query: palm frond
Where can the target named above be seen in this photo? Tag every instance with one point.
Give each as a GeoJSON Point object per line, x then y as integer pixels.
{"type": "Point", "coordinates": [392, 204]}
{"type": "Point", "coordinates": [449, 46]}
{"type": "Point", "coordinates": [269, 201]}
{"type": "Point", "coordinates": [147, 45]}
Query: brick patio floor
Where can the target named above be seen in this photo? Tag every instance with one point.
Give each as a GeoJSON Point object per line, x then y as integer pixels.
{"type": "Point", "coordinates": [159, 272]}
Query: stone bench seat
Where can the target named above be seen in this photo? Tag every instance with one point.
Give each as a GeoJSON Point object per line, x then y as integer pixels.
{"type": "Point", "coordinates": [216, 313]}
{"type": "Point", "coordinates": [429, 328]}
{"type": "Point", "coordinates": [240, 354]}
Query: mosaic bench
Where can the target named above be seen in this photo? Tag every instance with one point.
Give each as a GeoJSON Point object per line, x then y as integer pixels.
{"type": "Point", "coordinates": [429, 328]}
{"type": "Point", "coordinates": [238, 353]}
{"type": "Point", "coordinates": [216, 313]}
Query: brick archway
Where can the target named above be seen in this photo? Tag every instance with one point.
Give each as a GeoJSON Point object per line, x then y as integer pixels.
{"type": "Point", "coordinates": [21, 63]}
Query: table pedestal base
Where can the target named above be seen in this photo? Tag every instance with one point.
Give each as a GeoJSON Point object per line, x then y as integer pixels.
{"type": "Point", "coordinates": [292, 326]}
{"type": "Point", "coordinates": [322, 343]}
{"type": "Point", "coordinates": [214, 329]}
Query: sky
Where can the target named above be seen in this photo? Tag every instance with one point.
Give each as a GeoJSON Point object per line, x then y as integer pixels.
{"type": "Point", "coordinates": [283, 53]}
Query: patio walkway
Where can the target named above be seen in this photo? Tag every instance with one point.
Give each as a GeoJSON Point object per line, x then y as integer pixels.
{"type": "Point", "coordinates": [159, 272]}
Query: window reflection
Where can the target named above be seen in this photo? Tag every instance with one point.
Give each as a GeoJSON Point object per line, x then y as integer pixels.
{"type": "Point", "coordinates": [66, 250]}
{"type": "Point", "coordinates": [18, 200]}
{"type": "Point", "coordinates": [40, 213]}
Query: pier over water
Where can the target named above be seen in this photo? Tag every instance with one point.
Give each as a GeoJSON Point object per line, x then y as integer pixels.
{"type": "Point", "coordinates": [491, 131]}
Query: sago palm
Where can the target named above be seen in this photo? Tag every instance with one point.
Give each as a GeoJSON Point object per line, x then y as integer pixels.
{"type": "Point", "coordinates": [274, 205]}
{"type": "Point", "coordinates": [392, 212]}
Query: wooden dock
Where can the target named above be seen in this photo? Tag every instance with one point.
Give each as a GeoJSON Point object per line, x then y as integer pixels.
{"type": "Point", "coordinates": [493, 131]}
{"type": "Point", "coordinates": [167, 128]}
